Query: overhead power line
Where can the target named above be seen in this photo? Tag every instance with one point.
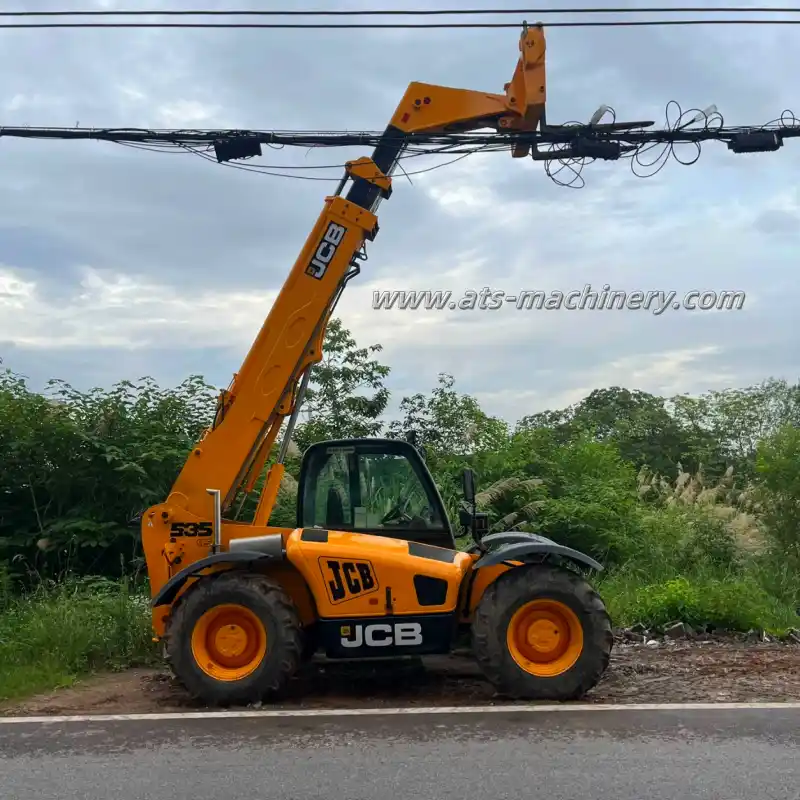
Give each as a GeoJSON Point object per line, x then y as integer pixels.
{"type": "Point", "coordinates": [400, 12]}
{"type": "Point", "coordinates": [567, 147]}
{"type": "Point", "coordinates": [538, 14]}
{"type": "Point", "coordinates": [632, 133]}
{"type": "Point", "coordinates": [397, 25]}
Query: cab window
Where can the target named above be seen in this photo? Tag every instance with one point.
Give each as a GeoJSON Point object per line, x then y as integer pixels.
{"type": "Point", "coordinates": [358, 490]}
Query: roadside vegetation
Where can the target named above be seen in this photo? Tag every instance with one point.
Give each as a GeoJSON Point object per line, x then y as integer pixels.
{"type": "Point", "coordinates": [58, 631]}
{"type": "Point", "coordinates": [692, 503]}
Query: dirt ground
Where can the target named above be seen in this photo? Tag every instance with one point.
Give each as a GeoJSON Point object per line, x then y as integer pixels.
{"type": "Point", "coordinates": [673, 672]}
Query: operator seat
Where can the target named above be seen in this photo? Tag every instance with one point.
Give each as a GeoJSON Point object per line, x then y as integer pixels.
{"type": "Point", "coordinates": [334, 511]}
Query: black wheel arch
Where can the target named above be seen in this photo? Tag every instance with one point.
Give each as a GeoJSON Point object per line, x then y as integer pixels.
{"type": "Point", "coordinates": [516, 545]}
{"type": "Point", "coordinates": [240, 559]}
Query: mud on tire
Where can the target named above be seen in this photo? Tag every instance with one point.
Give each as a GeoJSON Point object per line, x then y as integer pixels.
{"type": "Point", "coordinates": [264, 602]}
{"type": "Point", "coordinates": [511, 592]}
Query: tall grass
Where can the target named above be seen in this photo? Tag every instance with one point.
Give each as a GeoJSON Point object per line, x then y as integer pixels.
{"type": "Point", "coordinates": [60, 632]}
{"type": "Point", "coordinates": [704, 598]}
{"type": "Point", "coordinates": [691, 563]}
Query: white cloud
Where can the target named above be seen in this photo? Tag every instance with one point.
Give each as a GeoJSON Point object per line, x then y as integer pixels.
{"type": "Point", "coordinates": [14, 291]}
{"type": "Point", "coordinates": [665, 372]}
{"type": "Point", "coordinates": [117, 311]}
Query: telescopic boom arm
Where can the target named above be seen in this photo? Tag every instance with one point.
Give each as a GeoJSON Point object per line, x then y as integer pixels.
{"type": "Point", "coordinates": [269, 386]}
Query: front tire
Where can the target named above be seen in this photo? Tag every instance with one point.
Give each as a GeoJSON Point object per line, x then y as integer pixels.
{"type": "Point", "coordinates": [542, 633]}
{"type": "Point", "coordinates": [234, 638]}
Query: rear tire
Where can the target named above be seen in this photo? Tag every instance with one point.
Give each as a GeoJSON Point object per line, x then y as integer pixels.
{"type": "Point", "coordinates": [542, 633]}
{"type": "Point", "coordinates": [234, 638]}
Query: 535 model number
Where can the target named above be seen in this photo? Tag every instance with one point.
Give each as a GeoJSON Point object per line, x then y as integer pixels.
{"type": "Point", "coordinates": [191, 529]}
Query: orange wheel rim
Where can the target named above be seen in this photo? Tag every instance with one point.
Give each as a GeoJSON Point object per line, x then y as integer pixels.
{"type": "Point", "coordinates": [229, 642]}
{"type": "Point", "coordinates": [545, 638]}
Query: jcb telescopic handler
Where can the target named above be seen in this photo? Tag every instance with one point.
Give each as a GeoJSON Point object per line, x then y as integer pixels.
{"type": "Point", "coordinates": [372, 568]}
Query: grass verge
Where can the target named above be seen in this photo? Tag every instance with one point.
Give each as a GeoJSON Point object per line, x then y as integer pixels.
{"type": "Point", "coordinates": [686, 564]}
{"type": "Point", "coordinates": [733, 602]}
{"type": "Point", "coordinates": [61, 632]}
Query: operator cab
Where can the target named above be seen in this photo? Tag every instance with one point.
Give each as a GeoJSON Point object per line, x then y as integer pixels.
{"type": "Point", "coordinates": [376, 486]}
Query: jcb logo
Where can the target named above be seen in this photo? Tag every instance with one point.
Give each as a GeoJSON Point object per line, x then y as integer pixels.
{"type": "Point", "coordinates": [326, 250]}
{"type": "Point", "coordinates": [347, 579]}
{"type": "Point", "coordinates": [382, 634]}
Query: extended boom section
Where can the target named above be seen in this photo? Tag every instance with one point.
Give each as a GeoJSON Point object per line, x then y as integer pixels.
{"type": "Point", "coordinates": [261, 395]}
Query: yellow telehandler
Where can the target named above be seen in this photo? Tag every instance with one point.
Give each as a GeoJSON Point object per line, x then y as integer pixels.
{"type": "Point", "coordinates": [239, 605]}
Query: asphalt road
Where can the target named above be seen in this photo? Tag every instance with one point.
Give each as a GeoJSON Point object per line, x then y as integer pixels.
{"type": "Point", "coordinates": [575, 755]}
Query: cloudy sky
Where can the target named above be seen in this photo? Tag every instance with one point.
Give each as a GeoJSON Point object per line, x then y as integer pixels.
{"type": "Point", "coordinates": [117, 263]}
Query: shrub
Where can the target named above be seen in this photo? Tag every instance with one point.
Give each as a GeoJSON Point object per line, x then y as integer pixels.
{"type": "Point", "coordinates": [733, 603]}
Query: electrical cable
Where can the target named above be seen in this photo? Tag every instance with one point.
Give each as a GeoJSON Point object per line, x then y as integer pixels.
{"type": "Point", "coordinates": [390, 25]}
{"type": "Point", "coordinates": [393, 25]}
{"type": "Point", "coordinates": [418, 142]}
{"type": "Point", "coordinates": [667, 151]}
{"type": "Point", "coordinates": [647, 150]}
{"type": "Point", "coordinates": [269, 169]}
{"type": "Point", "coordinates": [401, 12]}
{"type": "Point", "coordinates": [105, 13]}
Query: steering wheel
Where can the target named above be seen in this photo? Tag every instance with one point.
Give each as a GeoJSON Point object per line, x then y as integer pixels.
{"type": "Point", "coordinates": [399, 511]}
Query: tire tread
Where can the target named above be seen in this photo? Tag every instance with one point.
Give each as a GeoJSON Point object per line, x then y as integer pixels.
{"type": "Point", "coordinates": [272, 677]}
{"type": "Point", "coordinates": [489, 633]}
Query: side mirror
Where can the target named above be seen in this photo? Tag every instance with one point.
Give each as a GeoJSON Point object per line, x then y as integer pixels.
{"type": "Point", "coordinates": [468, 485]}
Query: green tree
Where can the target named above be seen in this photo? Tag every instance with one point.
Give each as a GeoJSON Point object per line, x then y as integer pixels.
{"type": "Point", "coordinates": [741, 418]}
{"type": "Point", "coordinates": [637, 422]}
{"type": "Point", "coordinates": [778, 469]}
{"type": "Point", "coordinates": [558, 421]}
{"type": "Point", "coordinates": [448, 423]}
{"type": "Point", "coordinates": [75, 467]}
{"type": "Point", "coordinates": [346, 396]}
{"type": "Point", "coordinates": [703, 449]}
{"type": "Point", "coordinates": [724, 428]}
